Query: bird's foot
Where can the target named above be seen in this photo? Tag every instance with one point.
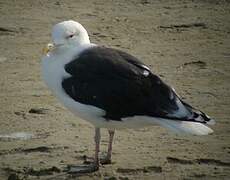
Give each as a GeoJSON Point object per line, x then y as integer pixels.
{"type": "Point", "coordinates": [105, 159]}
{"type": "Point", "coordinates": [80, 169]}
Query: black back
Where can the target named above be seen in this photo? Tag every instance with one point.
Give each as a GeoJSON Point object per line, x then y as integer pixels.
{"type": "Point", "coordinates": [117, 83]}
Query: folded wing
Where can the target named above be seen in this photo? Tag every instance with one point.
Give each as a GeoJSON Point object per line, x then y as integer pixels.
{"type": "Point", "coordinates": [123, 86]}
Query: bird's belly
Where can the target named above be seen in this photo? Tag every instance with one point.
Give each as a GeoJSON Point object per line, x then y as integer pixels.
{"type": "Point", "coordinates": [95, 116]}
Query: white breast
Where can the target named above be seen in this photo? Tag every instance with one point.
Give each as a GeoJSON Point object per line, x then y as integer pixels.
{"type": "Point", "coordinates": [53, 73]}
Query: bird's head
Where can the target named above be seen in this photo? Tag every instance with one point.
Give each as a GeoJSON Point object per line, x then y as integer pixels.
{"type": "Point", "coordinates": [67, 34]}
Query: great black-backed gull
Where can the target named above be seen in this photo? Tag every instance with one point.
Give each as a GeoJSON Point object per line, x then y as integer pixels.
{"type": "Point", "coordinates": [112, 89]}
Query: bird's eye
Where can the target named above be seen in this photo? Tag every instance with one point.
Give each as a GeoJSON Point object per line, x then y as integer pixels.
{"type": "Point", "coordinates": [70, 36]}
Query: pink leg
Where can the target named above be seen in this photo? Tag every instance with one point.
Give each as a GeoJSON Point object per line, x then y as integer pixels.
{"type": "Point", "coordinates": [97, 139]}
{"type": "Point", "coordinates": [92, 167]}
{"type": "Point", "coordinates": [111, 135]}
{"type": "Point", "coordinates": [107, 158]}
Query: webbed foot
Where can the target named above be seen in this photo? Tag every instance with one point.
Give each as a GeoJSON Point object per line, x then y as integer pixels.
{"type": "Point", "coordinates": [79, 169]}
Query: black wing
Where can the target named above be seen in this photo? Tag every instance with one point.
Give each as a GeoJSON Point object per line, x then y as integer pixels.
{"type": "Point", "coordinates": [121, 85]}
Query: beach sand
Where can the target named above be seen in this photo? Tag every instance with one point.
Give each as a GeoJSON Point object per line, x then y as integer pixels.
{"type": "Point", "coordinates": [186, 42]}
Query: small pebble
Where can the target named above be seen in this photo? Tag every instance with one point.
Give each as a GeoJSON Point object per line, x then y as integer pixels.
{"type": "Point", "coordinates": [38, 111]}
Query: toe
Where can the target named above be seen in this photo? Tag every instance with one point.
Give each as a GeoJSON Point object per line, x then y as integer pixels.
{"type": "Point", "coordinates": [105, 160]}
{"type": "Point", "coordinates": [79, 169]}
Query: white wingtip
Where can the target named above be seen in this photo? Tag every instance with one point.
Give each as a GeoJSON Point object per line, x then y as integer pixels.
{"type": "Point", "coordinates": [211, 122]}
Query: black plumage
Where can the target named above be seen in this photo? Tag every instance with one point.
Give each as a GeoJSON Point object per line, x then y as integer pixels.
{"type": "Point", "coordinates": [120, 84]}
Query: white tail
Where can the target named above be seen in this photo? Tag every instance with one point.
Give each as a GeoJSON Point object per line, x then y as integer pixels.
{"type": "Point", "coordinates": [187, 127]}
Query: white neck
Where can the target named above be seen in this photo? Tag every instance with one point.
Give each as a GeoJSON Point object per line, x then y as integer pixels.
{"type": "Point", "coordinates": [83, 38]}
{"type": "Point", "coordinates": [53, 64]}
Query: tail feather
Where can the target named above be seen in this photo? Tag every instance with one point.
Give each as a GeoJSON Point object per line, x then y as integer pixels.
{"type": "Point", "coordinates": [185, 119]}
{"type": "Point", "coordinates": [194, 124]}
{"type": "Point", "coordinates": [187, 127]}
{"type": "Point", "coordinates": [198, 116]}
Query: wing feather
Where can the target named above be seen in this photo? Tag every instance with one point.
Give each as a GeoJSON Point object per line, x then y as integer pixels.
{"type": "Point", "coordinates": [117, 82]}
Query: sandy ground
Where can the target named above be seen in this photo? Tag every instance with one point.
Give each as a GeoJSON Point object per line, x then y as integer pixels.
{"type": "Point", "coordinates": [186, 42]}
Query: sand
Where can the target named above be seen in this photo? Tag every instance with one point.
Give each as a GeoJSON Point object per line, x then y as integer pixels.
{"type": "Point", "coordinates": [186, 42]}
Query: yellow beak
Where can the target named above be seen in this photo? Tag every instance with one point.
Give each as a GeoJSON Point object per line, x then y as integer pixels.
{"type": "Point", "coordinates": [48, 48]}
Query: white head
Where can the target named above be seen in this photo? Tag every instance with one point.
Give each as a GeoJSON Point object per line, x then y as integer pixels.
{"type": "Point", "coordinates": [68, 34]}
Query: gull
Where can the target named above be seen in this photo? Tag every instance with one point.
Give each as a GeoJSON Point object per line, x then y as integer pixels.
{"type": "Point", "coordinates": [112, 89]}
